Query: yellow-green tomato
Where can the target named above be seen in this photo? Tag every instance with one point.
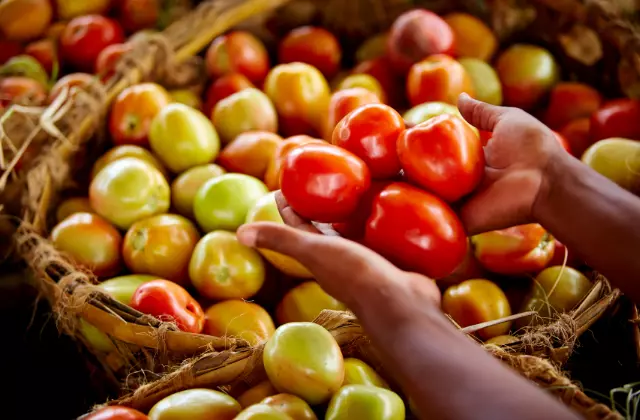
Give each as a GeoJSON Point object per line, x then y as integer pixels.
{"type": "Point", "coordinates": [247, 110]}
{"type": "Point", "coordinates": [97, 339]}
{"type": "Point", "coordinates": [266, 210]}
{"type": "Point", "coordinates": [196, 404]}
{"type": "Point", "coordinates": [187, 184]}
{"type": "Point", "coordinates": [256, 394]}
{"type": "Point", "coordinates": [303, 359]}
{"type": "Point", "coordinates": [262, 412]}
{"type": "Point", "coordinates": [224, 201]}
{"type": "Point", "coordinates": [122, 288]}
{"type": "Point", "coordinates": [304, 303]}
{"type": "Point", "coordinates": [128, 190]}
{"type": "Point", "coordinates": [123, 151]}
{"type": "Point", "coordinates": [182, 137]}
{"type": "Point", "coordinates": [485, 80]}
{"type": "Point", "coordinates": [223, 268]}
{"type": "Point", "coordinates": [423, 112]}
{"type": "Point", "coordinates": [618, 159]}
{"type": "Point", "coordinates": [357, 372]}
{"type": "Point", "coordinates": [294, 407]}
{"type": "Point", "coordinates": [365, 402]}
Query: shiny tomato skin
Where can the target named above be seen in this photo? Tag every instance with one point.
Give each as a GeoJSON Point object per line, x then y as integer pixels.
{"type": "Point", "coordinates": [168, 301]}
{"type": "Point", "coordinates": [273, 174]}
{"type": "Point", "coordinates": [45, 51]}
{"type": "Point", "coordinates": [354, 227]}
{"type": "Point", "coordinates": [116, 412]}
{"type": "Point", "coordinates": [84, 38]}
{"type": "Point", "coordinates": [161, 245]}
{"type": "Point", "coordinates": [312, 45]}
{"type": "Point", "coordinates": [223, 87]}
{"type": "Point", "coordinates": [617, 118]}
{"type": "Point", "coordinates": [324, 183]}
{"type": "Point", "coordinates": [133, 111]}
{"type": "Point", "coordinates": [371, 133]}
{"type": "Point", "coordinates": [238, 52]}
{"type": "Point", "coordinates": [442, 155]}
{"type": "Point", "coordinates": [343, 102]}
{"type": "Point", "coordinates": [416, 230]}
{"type": "Point", "coordinates": [108, 58]}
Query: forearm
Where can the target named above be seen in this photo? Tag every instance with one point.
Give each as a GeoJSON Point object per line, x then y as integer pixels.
{"type": "Point", "coordinates": [595, 218]}
{"type": "Point", "coordinates": [446, 375]}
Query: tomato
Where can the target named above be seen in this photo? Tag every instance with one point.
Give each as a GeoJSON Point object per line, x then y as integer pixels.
{"type": "Point", "coordinates": [21, 89]}
{"type": "Point", "coordinates": [256, 394]}
{"type": "Point", "coordinates": [223, 268]}
{"type": "Point", "coordinates": [45, 51]}
{"type": "Point", "coordinates": [438, 78]}
{"type": "Point", "coordinates": [168, 301]}
{"type": "Point", "coordinates": [295, 407]}
{"type": "Point", "coordinates": [304, 303]}
{"type": "Point", "coordinates": [250, 153]}
{"type": "Point", "coordinates": [470, 268]}
{"type": "Point", "coordinates": [187, 184]}
{"type": "Point", "coordinates": [617, 118]}
{"type": "Point", "coordinates": [343, 102]}
{"type": "Point", "coordinates": [127, 150]}
{"type": "Point", "coordinates": [224, 87]}
{"type": "Point", "coordinates": [196, 404]}
{"type": "Point", "coordinates": [364, 81]}
{"type": "Point", "coordinates": [238, 52]}
{"type": "Point", "coordinates": [416, 230]}
{"type": "Point", "coordinates": [371, 132]}
{"type": "Point", "coordinates": [122, 288]}
{"type": "Point", "coordinates": [365, 402]}
{"type": "Point", "coordinates": [237, 318]}
{"type": "Point", "coordinates": [577, 135]}
{"type": "Point", "coordinates": [132, 113]}
{"type": "Point", "coordinates": [186, 97]}
{"type": "Point", "coordinates": [161, 245]}
{"type": "Point", "coordinates": [323, 182]}
{"type": "Point", "coordinates": [354, 227]}
{"type": "Point", "coordinates": [66, 83]}
{"type": "Point", "coordinates": [476, 301]}
{"type": "Point", "coordinates": [71, 206]}
{"type": "Point", "coordinates": [9, 49]}
{"type": "Point", "coordinates": [137, 15]}
{"type": "Point", "coordinates": [85, 37]}
{"type": "Point", "coordinates": [563, 141]}
{"type": "Point", "coordinates": [24, 20]}
{"type": "Point", "coordinates": [108, 58]}
{"type": "Point", "coordinates": [315, 46]}
{"type": "Point", "coordinates": [442, 155]}
{"type": "Point", "coordinates": [273, 175]}
{"type": "Point", "coordinates": [357, 372]}
{"type": "Point", "coordinates": [91, 241]}
{"type": "Point", "coordinates": [262, 411]}
{"type": "Point", "coordinates": [242, 112]}
{"type": "Point", "coordinates": [116, 412]}
{"type": "Point", "coordinates": [516, 250]}
{"type": "Point", "coordinates": [569, 101]}
{"type": "Point", "coordinates": [381, 70]}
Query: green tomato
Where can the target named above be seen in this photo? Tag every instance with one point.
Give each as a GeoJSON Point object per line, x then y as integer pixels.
{"type": "Point", "coordinates": [485, 80]}
{"type": "Point", "coordinates": [97, 339]}
{"type": "Point", "coordinates": [127, 190]}
{"type": "Point", "coordinates": [224, 201]}
{"type": "Point", "coordinates": [247, 110]}
{"type": "Point", "coordinates": [357, 372]}
{"type": "Point", "coordinates": [185, 186]}
{"type": "Point", "coordinates": [196, 404]}
{"type": "Point", "coordinates": [618, 159]}
{"type": "Point", "coordinates": [365, 402]}
{"type": "Point", "coordinates": [262, 412]}
{"type": "Point", "coordinates": [122, 288]}
{"type": "Point", "coordinates": [182, 137]}
{"type": "Point", "coordinates": [303, 359]}
{"type": "Point", "coordinates": [423, 112]}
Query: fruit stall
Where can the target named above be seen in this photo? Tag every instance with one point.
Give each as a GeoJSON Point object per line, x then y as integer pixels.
{"type": "Point", "coordinates": [137, 136]}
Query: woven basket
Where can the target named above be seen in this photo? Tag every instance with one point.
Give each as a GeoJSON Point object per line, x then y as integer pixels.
{"type": "Point", "coordinates": [152, 359]}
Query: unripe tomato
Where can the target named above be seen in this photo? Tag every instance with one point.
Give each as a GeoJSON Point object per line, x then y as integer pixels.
{"type": "Point", "coordinates": [224, 87]}
{"type": "Point", "coordinates": [416, 230]}
{"type": "Point", "coordinates": [161, 245]}
{"type": "Point", "coordinates": [371, 133]}
{"type": "Point", "coordinates": [91, 241]}
{"type": "Point", "coordinates": [116, 412]}
{"type": "Point", "coordinates": [365, 402]}
{"type": "Point", "coordinates": [196, 404]}
{"type": "Point", "coordinates": [133, 111]}
{"type": "Point", "coordinates": [256, 394]}
{"type": "Point", "coordinates": [442, 155]}
{"type": "Point", "coordinates": [304, 303]}
{"type": "Point", "coordinates": [476, 301]}
{"type": "Point", "coordinates": [357, 372]}
{"type": "Point", "coordinates": [323, 182]}
{"type": "Point", "coordinates": [294, 407]}
{"type": "Point", "coordinates": [238, 318]}
{"type": "Point", "coordinates": [71, 206]}
{"type": "Point", "coordinates": [127, 150]}
{"type": "Point", "coordinates": [238, 52]}
{"type": "Point", "coordinates": [262, 412]}
{"type": "Point", "coordinates": [185, 187]}
{"type": "Point", "coordinates": [168, 301]}
{"type": "Point", "coordinates": [315, 46]}
{"type": "Point", "coordinates": [84, 38]}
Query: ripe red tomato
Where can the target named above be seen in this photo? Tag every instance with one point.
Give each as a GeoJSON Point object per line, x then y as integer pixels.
{"type": "Point", "coordinates": [9, 49]}
{"type": "Point", "coordinates": [238, 52]}
{"type": "Point", "coordinates": [559, 253]}
{"type": "Point", "coordinates": [371, 132]}
{"type": "Point", "coordinates": [442, 155]}
{"type": "Point", "coordinates": [617, 118]}
{"type": "Point", "coordinates": [324, 183]}
{"type": "Point", "coordinates": [224, 87]}
{"type": "Point", "coordinates": [168, 301]}
{"type": "Point", "coordinates": [108, 58]}
{"type": "Point", "coordinates": [514, 251]}
{"type": "Point", "coordinates": [85, 37]}
{"type": "Point", "coordinates": [45, 51]}
{"type": "Point", "coordinates": [132, 113]}
{"type": "Point", "coordinates": [416, 230]}
{"type": "Point", "coordinates": [116, 412]}
{"type": "Point", "coordinates": [137, 15]}
{"type": "Point", "coordinates": [354, 227]}
{"type": "Point", "coordinates": [311, 45]}
{"type": "Point", "coordinates": [381, 70]}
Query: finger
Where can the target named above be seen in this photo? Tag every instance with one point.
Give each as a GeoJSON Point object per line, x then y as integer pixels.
{"type": "Point", "coordinates": [481, 115]}
{"type": "Point", "coordinates": [290, 217]}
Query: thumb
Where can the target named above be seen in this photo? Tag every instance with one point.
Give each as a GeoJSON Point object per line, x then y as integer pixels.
{"type": "Point", "coordinates": [480, 114]}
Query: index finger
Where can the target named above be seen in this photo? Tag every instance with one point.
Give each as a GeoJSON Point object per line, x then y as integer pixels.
{"type": "Point", "coordinates": [290, 217]}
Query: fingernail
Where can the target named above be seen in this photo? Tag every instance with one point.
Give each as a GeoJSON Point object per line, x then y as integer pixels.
{"type": "Point", "coordinates": [247, 235]}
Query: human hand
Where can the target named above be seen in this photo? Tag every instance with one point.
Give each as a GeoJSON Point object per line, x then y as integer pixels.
{"type": "Point", "coordinates": [345, 269]}
{"type": "Point", "coordinates": [518, 161]}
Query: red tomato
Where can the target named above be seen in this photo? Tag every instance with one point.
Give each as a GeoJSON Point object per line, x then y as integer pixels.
{"type": "Point", "coordinates": [324, 183]}
{"type": "Point", "coordinates": [416, 230]}
{"type": "Point", "coordinates": [371, 132]}
{"type": "Point", "coordinates": [224, 87]}
{"type": "Point", "coordinates": [563, 141]}
{"type": "Point", "coordinates": [355, 226]}
{"type": "Point", "coordinates": [45, 51]}
{"type": "Point", "coordinates": [516, 250]}
{"type": "Point", "coordinates": [85, 37]}
{"type": "Point", "coordinates": [137, 15]}
{"type": "Point", "coordinates": [343, 102]}
{"type": "Point", "coordinates": [311, 45]}
{"type": "Point", "coordinates": [116, 412]}
{"type": "Point", "coordinates": [577, 135]}
{"type": "Point", "coordinates": [9, 49]}
{"type": "Point", "coordinates": [617, 118]}
{"type": "Point", "coordinates": [559, 253]}
{"type": "Point", "coordinates": [168, 301]}
{"type": "Point", "coordinates": [108, 58]}
{"type": "Point", "coordinates": [132, 113]}
{"type": "Point", "coordinates": [238, 52]}
{"type": "Point", "coordinates": [442, 155]}
{"type": "Point", "coordinates": [381, 70]}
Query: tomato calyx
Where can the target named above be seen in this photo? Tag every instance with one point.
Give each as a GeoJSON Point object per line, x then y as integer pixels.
{"type": "Point", "coordinates": [131, 124]}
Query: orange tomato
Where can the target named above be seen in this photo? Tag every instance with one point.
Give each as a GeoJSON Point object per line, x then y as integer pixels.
{"type": "Point", "coordinates": [476, 301]}
{"type": "Point", "coordinates": [71, 206]}
{"type": "Point", "coordinates": [91, 241]}
{"type": "Point", "coordinates": [161, 246]}
{"type": "Point", "coordinates": [365, 81]}
{"type": "Point", "coordinates": [250, 153]}
{"type": "Point", "coordinates": [241, 319]}
{"type": "Point", "coordinates": [315, 46]}
{"type": "Point", "coordinates": [256, 394]}
{"type": "Point", "coordinates": [438, 78]}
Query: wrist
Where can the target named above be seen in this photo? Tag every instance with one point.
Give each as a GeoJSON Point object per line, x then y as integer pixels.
{"type": "Point", "coordinates": [553, 176]}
